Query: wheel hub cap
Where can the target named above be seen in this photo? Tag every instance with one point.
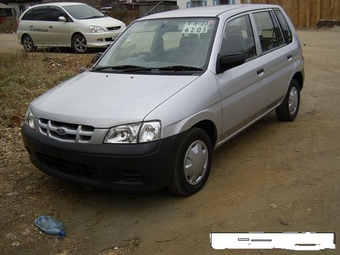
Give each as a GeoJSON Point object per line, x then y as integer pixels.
{"type": "Point", "coordinates": [293, 100]}
{"type": "Point", "coordinates": [196, 162]}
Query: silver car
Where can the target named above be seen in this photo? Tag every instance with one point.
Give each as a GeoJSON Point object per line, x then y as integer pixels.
{"type": "Point", "coordinates": [73, 25]}
{"type": "Point", "coordinates": [171, 89]}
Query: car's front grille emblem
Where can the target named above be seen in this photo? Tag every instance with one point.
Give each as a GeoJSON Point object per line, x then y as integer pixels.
{"type": "Point", "coordinates": [61, 131]}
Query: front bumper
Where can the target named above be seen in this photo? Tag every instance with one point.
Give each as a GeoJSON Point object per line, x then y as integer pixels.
{"type": "Point", "coordinates": [122, 167]}
{"type": "Point", "coordinates": [97, 40]}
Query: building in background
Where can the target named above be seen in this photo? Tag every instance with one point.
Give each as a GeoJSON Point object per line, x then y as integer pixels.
{"type": "Point", "coordinates": [20, 5]}
{"type": "Point", "coordinates": [6, 12]}
{"type": "Point", "coordinates": [182, 4]}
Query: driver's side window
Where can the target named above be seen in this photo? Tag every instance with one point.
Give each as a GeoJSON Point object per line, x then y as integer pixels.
{"type": "Point", "coordinates": [54, 13]}
{"type": "Point", "coordinates": [238, 37]}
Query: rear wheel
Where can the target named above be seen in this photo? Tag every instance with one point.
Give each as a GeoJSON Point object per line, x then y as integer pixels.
{"type": "Point", "coordinates": [28, 44]}
{"type": "Point", "coordinates": [79, 44]}
{"type": "Point", "coordinates": [192, 163]}
{"type": "Point", "coordinates": [289, 108]}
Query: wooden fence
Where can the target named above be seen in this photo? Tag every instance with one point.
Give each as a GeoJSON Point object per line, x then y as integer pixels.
{"type": "Point", "coordinates": [306, 13]}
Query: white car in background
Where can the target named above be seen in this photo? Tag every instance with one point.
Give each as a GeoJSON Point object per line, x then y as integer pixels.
{"type": "Point", "coordinates": [75, 25]}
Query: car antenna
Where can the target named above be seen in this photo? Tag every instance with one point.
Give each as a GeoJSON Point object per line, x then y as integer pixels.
{"type": "Point", "coordinates": [153, 8]}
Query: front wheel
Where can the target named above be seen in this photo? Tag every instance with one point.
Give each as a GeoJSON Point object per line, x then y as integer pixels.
{"type": "Point", "coordinates": [192, 163]}
{"type": "Point", "coordinates": [289, 108]}
{"type": "Point", "coordinates": [79, 44]}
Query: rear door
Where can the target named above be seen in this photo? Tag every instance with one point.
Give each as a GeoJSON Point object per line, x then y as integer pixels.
{"type": "Point", "coordinates": [35, 23]}
{"type": "Point", "coordinates": [277, 57]}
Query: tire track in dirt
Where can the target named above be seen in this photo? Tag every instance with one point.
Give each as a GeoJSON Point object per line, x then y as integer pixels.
{"type": "Point", "coordinates": [236, 195]}
{"type": "Point", "coordinates": [285, 170]}
{"type": "Point", "coordinates": [225, 214]}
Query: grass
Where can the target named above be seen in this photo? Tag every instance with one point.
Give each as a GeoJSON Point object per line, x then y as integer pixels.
{"type": "Point", "coordinates": [24, 77]}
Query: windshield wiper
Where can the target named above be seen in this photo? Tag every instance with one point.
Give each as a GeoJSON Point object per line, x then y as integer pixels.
{"type": "Point", "coordinates": [133, 68]}
{"type": "Point", "coordinates": [180, 68]}
{"type": "Point", "coordinates": [123, 68]}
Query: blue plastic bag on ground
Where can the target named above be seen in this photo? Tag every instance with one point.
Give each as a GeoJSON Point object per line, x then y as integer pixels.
{"type": "Point", "coordinates": [50, 225]}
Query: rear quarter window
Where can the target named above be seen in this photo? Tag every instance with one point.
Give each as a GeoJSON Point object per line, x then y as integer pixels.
{"type": "Point", "coordinates": [287, 32]}
{"type": "Point", "coordinates": [28, 15]}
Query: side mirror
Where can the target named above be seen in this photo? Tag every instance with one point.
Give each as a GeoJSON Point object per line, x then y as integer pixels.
{"type": "Point", "coordinates": [229, 61]}
{"type": "Point", "coordinates": [62, 18]}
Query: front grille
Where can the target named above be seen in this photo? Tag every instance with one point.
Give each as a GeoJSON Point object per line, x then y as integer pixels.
{"type": "Point", "coordinates": [70, 168]}
{"type": "Point", "coordinates": [113, 28]}
{"type": "Point", "coordinates": [65, 132]}
{"type": "Point", "coordinates": [85, 171]}
{"type": "Point", "coordinates": [109, 39]}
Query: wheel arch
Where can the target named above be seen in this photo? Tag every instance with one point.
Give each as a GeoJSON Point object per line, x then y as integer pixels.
{"type": "Point", "coordinates": [76, 33]}
{"type": "Point", "coordinates": [299, 77]}
{"type": "Point", "coordinates": [209, 127]}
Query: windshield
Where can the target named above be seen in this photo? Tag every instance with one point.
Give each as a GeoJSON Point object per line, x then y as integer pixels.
{"type": "Point", "coordinates": [182, 43]}
{"type": "Point", "coordinates": [82, 11]}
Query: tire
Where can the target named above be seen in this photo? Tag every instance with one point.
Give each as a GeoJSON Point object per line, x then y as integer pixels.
{"type": "Point", "coordinates": [289, 108]}
{"type": "Point", "coordinates": [192, 163]}
{"type": "Point", "coordinates": [79, 44]}
{"type": "Point", "coordinates": [28, 44]}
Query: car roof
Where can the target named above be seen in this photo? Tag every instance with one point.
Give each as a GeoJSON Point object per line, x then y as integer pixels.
{"type": "Point", "coordinates": [60, 4]}
{"type": "Point", "coordinates": [211, 11]}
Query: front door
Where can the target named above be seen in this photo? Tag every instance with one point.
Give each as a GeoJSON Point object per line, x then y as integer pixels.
{"type": "Point", "coordinates": [58, 30]}
{"type": "Point", "coordinates": [243, 88]}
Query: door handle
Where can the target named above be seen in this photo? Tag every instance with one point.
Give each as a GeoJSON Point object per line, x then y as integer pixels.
{"type": "Point", "coordinates": [50, 27]}
{"type": "Point", "coordinates": [260, 72]}
{"type": "Point", "coordinates": [289, 57]}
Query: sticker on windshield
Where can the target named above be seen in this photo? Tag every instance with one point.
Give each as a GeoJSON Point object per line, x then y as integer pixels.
{"type": "Point", "coordinates": [195, 27]}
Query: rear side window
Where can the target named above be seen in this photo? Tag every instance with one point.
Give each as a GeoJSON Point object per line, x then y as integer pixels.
{"type": "Point", "coordinates": [284, 26]}
{"type": "Point", "coordinates": [38, 13]}
{"type": "Point", "coordinates": [239, 37]}
{"type": "Point", "coordinates": [268, 30]}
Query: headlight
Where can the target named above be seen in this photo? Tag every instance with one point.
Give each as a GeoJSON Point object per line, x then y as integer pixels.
{"type": "Point", "coordinates": [29, 118]}
{"type": "Point", "coordinates": [96, 29]}
{"type": "Point", "coordinates": [123, 134]}
{"type": "Point", "coordinates": [133, 133]}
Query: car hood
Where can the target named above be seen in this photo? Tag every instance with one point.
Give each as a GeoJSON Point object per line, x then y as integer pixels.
{"type": "Point", "coordinates": [103, 22]}
{"type": "Point", "coordinates": [104, 100]}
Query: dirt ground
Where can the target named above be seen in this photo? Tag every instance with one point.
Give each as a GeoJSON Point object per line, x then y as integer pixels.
{"type": "Point", "coordinates": [274, 177]}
